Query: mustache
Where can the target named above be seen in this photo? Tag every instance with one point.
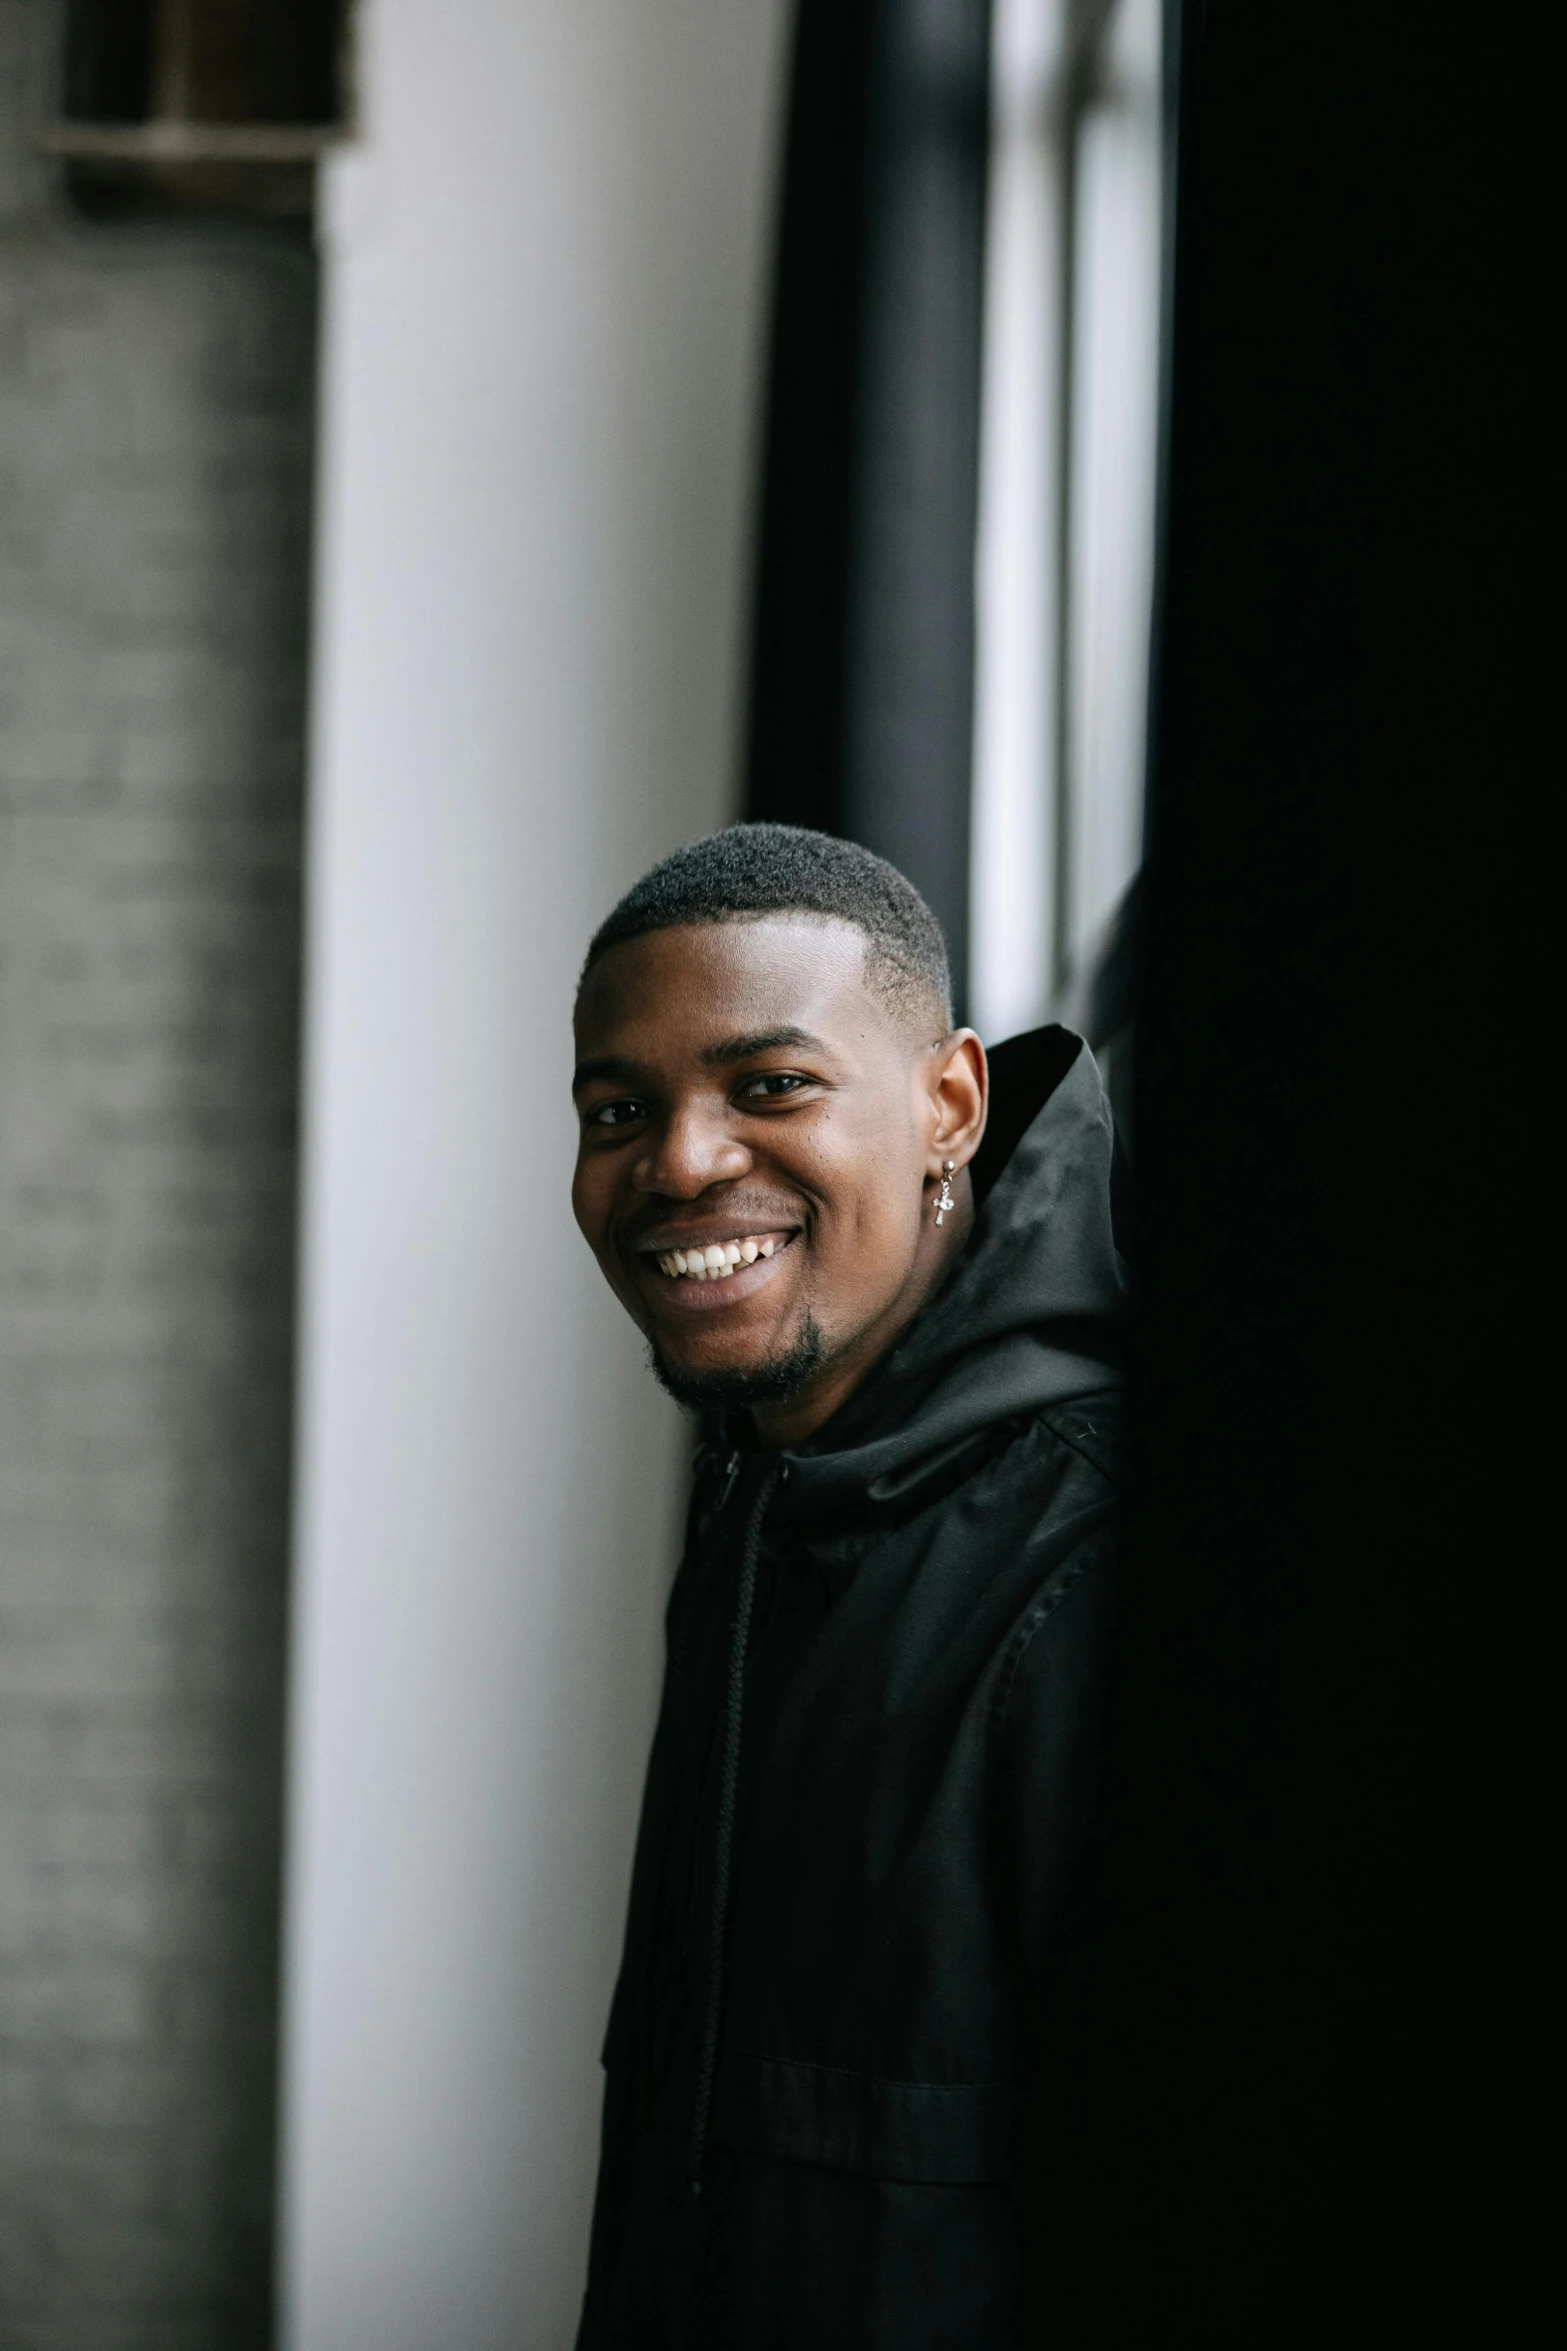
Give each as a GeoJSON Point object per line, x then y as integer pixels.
{"type": "Point", "coordinates": [751, 1208]}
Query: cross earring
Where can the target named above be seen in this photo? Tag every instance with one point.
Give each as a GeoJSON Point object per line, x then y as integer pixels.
{"type": "Point", "coordinates": [944, 1199]}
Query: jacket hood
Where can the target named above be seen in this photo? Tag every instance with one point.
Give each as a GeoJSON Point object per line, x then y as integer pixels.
{"type": "Point", "coordinates": [1032, 1315]}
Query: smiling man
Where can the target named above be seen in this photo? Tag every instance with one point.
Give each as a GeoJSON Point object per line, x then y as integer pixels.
{"type": "Point", "coordinates": [884, 1274]}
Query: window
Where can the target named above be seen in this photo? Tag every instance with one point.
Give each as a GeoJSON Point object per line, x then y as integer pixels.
{"type": "Point", "coordinates": [1067, 492]}
{"type": "Point", "coordinates": [200, 106]}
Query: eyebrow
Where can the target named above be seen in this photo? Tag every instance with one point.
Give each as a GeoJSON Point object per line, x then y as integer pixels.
{"type": "Point", "coordinates": [609, 1068]}
{"type": "Point", "coordinates": [616, 1069]}
{"type": "Point", "coordinates": [760, 1041]}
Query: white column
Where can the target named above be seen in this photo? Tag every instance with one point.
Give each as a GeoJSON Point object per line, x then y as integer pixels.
{"type": "Point", "coordinates": [1012, 844]}
{"type": "Point", "coordinates": [1116, 417]}
{"type": "Point", "coordinates": [545, 302]}
{"type": "Point", "coordinates": [1110, 503]}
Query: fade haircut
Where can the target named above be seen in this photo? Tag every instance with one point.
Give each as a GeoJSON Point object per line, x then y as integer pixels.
{"type": "Point", "coordinates": [750, 870]}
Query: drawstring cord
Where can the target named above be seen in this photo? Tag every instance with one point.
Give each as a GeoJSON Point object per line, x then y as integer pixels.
{"type": "Point", "coordinates": [745, 1596]}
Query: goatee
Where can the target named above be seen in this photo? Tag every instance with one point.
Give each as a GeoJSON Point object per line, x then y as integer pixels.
{"type": "Point", "coordinates": [773, 1382]}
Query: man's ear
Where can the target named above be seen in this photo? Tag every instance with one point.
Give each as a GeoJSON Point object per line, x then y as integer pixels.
{"type": "Point", "coordinates": [960, 1098]}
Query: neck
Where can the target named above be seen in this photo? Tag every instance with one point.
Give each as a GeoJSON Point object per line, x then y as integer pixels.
{"type": "Point", "coordinates": [775, 1426]}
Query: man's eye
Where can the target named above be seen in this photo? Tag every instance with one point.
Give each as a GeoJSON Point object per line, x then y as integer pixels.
{"type": "Point", "coordinates": [614, 1114]}
{"type": "Point", "coordinates": [771, 1085]}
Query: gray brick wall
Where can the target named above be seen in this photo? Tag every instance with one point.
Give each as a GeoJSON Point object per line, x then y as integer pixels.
{"type": "Point", "coordinates": [155, 428]}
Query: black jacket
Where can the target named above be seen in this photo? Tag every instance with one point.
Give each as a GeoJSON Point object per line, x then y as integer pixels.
{"type": "Point", "coordinates": [826, 2057]}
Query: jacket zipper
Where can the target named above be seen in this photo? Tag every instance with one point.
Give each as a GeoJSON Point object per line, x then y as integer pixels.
{"type": "Point", "coordinates": [723, 1861]}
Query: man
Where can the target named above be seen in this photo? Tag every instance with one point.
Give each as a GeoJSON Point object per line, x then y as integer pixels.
{"type": "Point", "coordinates": [895, 1297]}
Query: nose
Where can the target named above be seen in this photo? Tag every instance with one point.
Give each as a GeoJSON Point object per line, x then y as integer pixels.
{"type": "Point", "coordinates": [691, 1150]}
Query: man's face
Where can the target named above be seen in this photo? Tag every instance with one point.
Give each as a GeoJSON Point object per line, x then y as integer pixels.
{"type": "Point", "coordinates": [741, 1090]}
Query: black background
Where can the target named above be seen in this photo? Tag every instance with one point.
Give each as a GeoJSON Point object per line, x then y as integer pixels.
{"type": "Point", "coordinates": [1305, 2064]}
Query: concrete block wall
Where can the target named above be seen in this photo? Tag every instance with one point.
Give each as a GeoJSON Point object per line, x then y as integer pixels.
{"type": "Point", "coordinates": [155, 453]}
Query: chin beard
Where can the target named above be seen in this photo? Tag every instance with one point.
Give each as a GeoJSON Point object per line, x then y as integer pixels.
{"type": "Point", "coordinates": [773, 1382]}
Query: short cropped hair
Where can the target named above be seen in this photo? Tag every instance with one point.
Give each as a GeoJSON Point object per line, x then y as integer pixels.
{"type": "Point", "coordinates": [749, 870]}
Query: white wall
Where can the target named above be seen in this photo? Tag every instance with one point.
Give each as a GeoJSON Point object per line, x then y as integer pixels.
{"type": "Point", "coordinates": [545, 300]}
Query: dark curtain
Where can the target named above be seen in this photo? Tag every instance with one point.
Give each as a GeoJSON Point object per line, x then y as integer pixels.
{"type": "Point", "coordinates": [1305, 2054]}
{"type": "Point", "coordinates": [863, 649]}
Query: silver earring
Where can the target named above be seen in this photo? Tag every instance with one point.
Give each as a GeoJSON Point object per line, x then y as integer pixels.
{"type": "Point", "coordinates": [944, 1199]}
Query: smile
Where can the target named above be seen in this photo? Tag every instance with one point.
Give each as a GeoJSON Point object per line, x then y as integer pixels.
{"type": "Point", "coordinates": [719, 1260]}
{"type": "Point", "coordinates": [705, 1274]}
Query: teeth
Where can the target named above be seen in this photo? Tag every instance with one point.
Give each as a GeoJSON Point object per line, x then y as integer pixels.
{"type": "Point", "coordinates": [714, 1263]}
